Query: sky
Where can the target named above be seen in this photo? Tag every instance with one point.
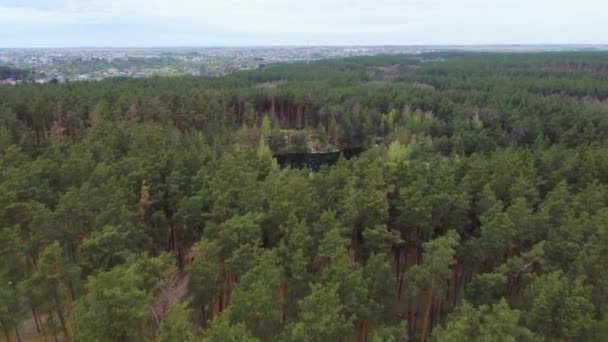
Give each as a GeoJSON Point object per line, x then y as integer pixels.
{"type": "Point", "coordinates": [140, 23]}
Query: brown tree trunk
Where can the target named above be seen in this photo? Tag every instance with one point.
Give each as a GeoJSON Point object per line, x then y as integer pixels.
{"type": "Point", "coordinates": [283, 291]}
{"type": "Point", "coordinates": [214, 306]}
{"type": "Point", "coordinates": [435, 312]}
{"type": "Point", "coordinates": [176, 247]}
{"type": "Point", "coordinates": [412, 318]}
{"type": "Point", "coordinates": [457, 276]}
{"type": "Point", "coordinates": [34, 262]}
{"type": "Point", "coordinates": [427, 316]}
{"type": "Point", "coordinates": [42, 328]}
{"type": "Point", "coordinates": [227, 290]}
{"type": "Point", "coordinates": [272, 110]}
{"type": "Point", "coordinates": [438, 315]}
{"type": "Point", "coordinates": [35, 318]}
{"type": "Point", "coordinates": [400, 285]}
{"type": "Point", "coordinates": [362, 334]}
{"type": "Point", "coordinates": [7, 336]}
{"type": "Point", "coordinates": [72, 296]}
{"type": "Point", "coordinates": [63, 325]}
{"type": "Point", "coordinates": [46, 133]}
{"type": "Point", "coordinates": [44, 335]}
{"type": "Point", "coordinates": [354, 243]}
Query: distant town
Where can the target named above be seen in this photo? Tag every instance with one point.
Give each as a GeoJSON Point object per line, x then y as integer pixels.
{"type": "Point", "coordinates": [93, 64]}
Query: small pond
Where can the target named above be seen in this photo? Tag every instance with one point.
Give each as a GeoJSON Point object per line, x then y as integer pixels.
{"type": "Point", "coordinates": [313, 161]}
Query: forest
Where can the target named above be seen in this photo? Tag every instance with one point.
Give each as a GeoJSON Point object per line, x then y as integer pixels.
{"type": "Point", "coordinates": [156, 209]}
{"type": "Point", "coordinates": [16, 74]}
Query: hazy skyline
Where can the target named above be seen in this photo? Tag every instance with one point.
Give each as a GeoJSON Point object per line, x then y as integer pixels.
{"type": "Point", "coordinates": [69, 23]}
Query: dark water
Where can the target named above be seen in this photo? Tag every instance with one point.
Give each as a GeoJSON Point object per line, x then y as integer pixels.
{"type": "Point", "coordinates": [313, 161]}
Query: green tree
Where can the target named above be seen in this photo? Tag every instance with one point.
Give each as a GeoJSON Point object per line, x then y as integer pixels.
{"type": "Point", "coordinates": [431, 275]}
{"type": "Point", "coordinates": [496, 323]}
{"type": "Point", "coordinates": [381, 293]}
{"type": "Point", "coordinates": [395, 333]}
{"type": "Point", "coordinates": [344, 274]}
{"type": "Point", "coordinates": [176, 326]}
{"type": "Point", "coordinates": [486, 288]}
{"type": "Point", "coordinates": [114, 308]}
{"type": "Point", "coordinates": [321, 316]}
{"type": "Point", "coordinates": [105, 249]}
{"type": "Point", "coordinates": [559, 308]}
{"type": "Point", "coordinates": [52, 287]}
{"type": "Point", "coordinates": [11, 275]}
{"type": "Point", "coordinates": [204, 273]}
{"type": "Point", "coordinates": [222, 331]}
{"type": "Point", "coordinates": [254, 301]}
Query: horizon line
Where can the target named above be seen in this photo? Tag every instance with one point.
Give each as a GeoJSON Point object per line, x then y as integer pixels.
{"type": "Point", "coordinates": [305, 45]}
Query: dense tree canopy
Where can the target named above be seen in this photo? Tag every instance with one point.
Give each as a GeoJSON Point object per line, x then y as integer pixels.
{"type": "Point", "coordinates": [470, 201]}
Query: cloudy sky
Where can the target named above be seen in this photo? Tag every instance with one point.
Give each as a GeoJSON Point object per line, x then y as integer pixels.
{"type": "Point", "coordinates": [66, 23]}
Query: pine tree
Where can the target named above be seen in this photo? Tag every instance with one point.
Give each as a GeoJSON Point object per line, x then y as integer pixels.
{"type": "Point", "coordinates": [430, 276]}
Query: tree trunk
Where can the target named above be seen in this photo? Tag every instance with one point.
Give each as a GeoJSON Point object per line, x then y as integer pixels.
{"type": "Point", "coordinates": [63, 325]}
{"type": "Point", "coordinates": [46, 132]}
{"type": "Point", "coordinates": [457, 279]}
{"type": "Point", "coordinates": [354, 243]}
{"type": "Point", "coordinates": [72, 296]}
{"type": "Point", "coordinates": [35, 318]}
{"type": "Point", "coordinates": [427, 314]}
{"type": "Point", "coordinates": [7, 335]}
{"type": "Point", "coordinates": [438, 311]}
{"type": "Point", "coordinates": [17, 334]}
{"type": "Point", "coordinates": [400, 286]}
{"type": "Point", "coordinates": [362, 334]}
{"type": "Point", "coordinates": [397, 270]}
{"type": "Point", "coordinates": [283, 294]}
{"type": "Point", "coordinates": [412, 318]}
{"type": "Point", "coordinates": [43, 329]}
{"type": "Point", "coordinates": [435, 312]}
{"type": "Point", "coordinates": [177, 247]}
{"type": "Point", "coordinates": [34, 262]}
